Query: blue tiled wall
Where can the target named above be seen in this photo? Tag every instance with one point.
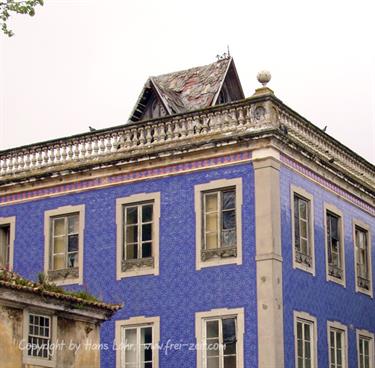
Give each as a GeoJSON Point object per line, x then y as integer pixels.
{"type": "Point", "coordinates": [179, 291]}
{"type": "Point", "coordinates": [314, 295]}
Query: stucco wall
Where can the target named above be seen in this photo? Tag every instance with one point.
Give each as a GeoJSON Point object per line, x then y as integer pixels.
{"type": "Point", "coordinates": [82, 334]}
{"type": "Point", "coordinates": [313, 294]}
{"type": "Point", "coordinates": [179, 291]}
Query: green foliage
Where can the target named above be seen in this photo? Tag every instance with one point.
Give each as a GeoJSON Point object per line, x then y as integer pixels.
{"type": "Point", "coordinates": [7, 7]}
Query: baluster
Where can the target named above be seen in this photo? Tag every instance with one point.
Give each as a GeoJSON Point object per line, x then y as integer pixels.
{"type": "Point", "coordinates": [184, 131]}
{"type": "Point", "coordinates": [190, 127]}
{"type": "Point", "coordinates": [96, 147]}
{"type": "Point", "coordinates": [115, 142]}
{"type": "Point", "coordinates": [4, 165]}
{"type": "Point", "coordinates": [28, 160]}
{"type": "Point", "coordinates": [148, 134]}
{"type": "Point", "coordinates": [176, 130]}
{"type": "Point", "coordinates": [134, 136]}
{"type": "Point", "coordinates": [70, 152]}
{"type": "Point", "coordinates": [40, 158]}
{"type": "Point", "coordinates": [161, 132]}
{"type": "Point", "coordinates": [52, 155]}
{"type": "Point", "coordinates": [102, 145]}
{"type": "Point", "coordinates": [83, 149]}
{"type": "Point", "coordinates": [241, 118]}
{"type": "Point", "coordinates": [89, 148]}
{"type": "Point", "coordinates": [58, 154]}
{"type": "Point", "coordinates": [21, 161]}
{"type": "Point", "coordinates": [109, 144]}
{"type": "Point", "coordinates": [76, 150]}
{"type": "Point", "coordinates": [169, 131]}
{"type": "Point", "coordinates": [45, 157]}
{"type": "Point", "coordinates": [142, 138]}
{"type": "Point", "coordinates": [64, 153]}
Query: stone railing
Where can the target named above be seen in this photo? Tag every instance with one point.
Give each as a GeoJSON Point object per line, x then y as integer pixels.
{"type": "Point", "coordinates": [96, 145]}
{"type": "Point", "coordinates": [253, 114]}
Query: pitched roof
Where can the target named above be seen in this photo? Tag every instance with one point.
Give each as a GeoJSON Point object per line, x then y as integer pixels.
{"type": "Point", "coordinates": [187, 90]}
{"type": "Point", "coordinates": [12, 280]}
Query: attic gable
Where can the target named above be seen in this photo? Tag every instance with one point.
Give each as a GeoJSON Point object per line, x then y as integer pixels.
{"type": "Point", "coordinates": [188, 90]}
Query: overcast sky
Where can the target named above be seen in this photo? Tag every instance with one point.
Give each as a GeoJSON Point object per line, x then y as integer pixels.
{"type": "Point", "coordinates": [84, 62]}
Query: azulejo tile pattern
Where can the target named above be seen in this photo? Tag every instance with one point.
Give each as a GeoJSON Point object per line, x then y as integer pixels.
{"type": "Point", "coordinates": [179, 291]}
{"type": "Point", "coordinates": [313, 294]}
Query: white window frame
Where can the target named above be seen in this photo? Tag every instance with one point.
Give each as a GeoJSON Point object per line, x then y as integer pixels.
{"type": "Point", "coordinates": [37, 361]}
{"type": "Point", "coordinates": [137, 322]}
{"type": "Point", "coordinates": [136, 199]}
{"type": "Point", "coordinates": [48, 217]}
{"type": "Point", "coordinates": [337, 326]}
{"type": "Point", "coordinates": [11, 222]}
{"type": "Point", "coordinates": [369, 336]}
{"type": "Point", "coordinates": [335, 211]}
{"type": "Point", "coordinates": [200, 320]}
{"type": "Point", "coordinates": [300, 192]}
{"type": "Point", "coordinates": [309, 319]}
{"type": "Point", "coordinates": [199, 190]}
{"type": "Point", "coordinates": [365, 227]}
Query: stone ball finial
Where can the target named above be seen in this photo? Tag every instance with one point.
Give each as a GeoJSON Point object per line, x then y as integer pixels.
{"type": "Point", "coordinates": [264, 77]}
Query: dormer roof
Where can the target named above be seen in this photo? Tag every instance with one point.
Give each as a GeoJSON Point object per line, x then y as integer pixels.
{"type": "Point", "coordinates": [188, 90]}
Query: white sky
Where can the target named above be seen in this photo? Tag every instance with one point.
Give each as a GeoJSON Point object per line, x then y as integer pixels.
{"type": "Point", "coordinates": [83, 62]}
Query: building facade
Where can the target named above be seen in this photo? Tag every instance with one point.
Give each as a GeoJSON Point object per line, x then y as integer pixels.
{"type": "Point", "coordinates": [44, 326]}
{"type": "Point", "coordinates": [235, 232]}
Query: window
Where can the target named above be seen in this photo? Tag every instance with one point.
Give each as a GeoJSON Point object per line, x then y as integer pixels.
{"type": "Point", "coordinates": [39, 333]}
{"type": "Point", "coordinates": [302, 227]}
{"type": "Point", "coordinates": [137, 342]}
{"type": "Point", "coordinates": [137, 220]}
{"type": "Point", "coordinates": [39, 340]}
{"type": "Point", "coordinates": [365, 349]}
{"type": "Point", "coordinates": [220, 338]}
{"type": "Point", "coordinates": [305, 337]}
{"type": "Point", "coordinates": [362, 257]}
{"type": "Point", "coordinates": [64, 244]}
{"type": "Point", "coordinates": [218, 222]}
{"type": "Point", "coordinates": [335, 245]}
{"type": "Point", "coordinates": [337, 343]}
{"type": "Point", "coordinates": [7, 233]}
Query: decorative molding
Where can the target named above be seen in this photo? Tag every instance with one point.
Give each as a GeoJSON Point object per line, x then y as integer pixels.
{"type": "Point", "coordinates": [125, 178]}
{"type": "Point", "coordinates": [302, 169]}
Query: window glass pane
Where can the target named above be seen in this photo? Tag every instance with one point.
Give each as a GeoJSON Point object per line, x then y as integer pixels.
{"type": "Point", "coordinates": [212, 347]}
{"type": "Point", "coordinates": [131, 346]}
{"type": "Point", "coordinates": [131, 215]}
{"type": "Point", "coordinates": [211, 241]}
{"type": "Point", "coordinates": [211, 202]}
{"type": "Point", "coordinates": [131, 251]}
{"type": "Point", "coordinates": [303, 229]}
{"type": "Point", "coordinates": [146, 250]}
{"type": "Point", "coordinates": [59, 262]}
{"type": "Point", "coordinates": [307, 332]}
{"type": "Point", "coordinates": [229, 238]}
{"type": "Point", "coordinates": [229, 219]}
{"type": "Point", "coordinates": [146, 232]}
{"type": "Point", "coordinates": [73, 224]}
{"type": "Point", "coordinates": [146, 335]}
{"type": "Point", "coordinates": [147, 365]}
{"type": "Point", "coordinates": [59, 226]}
{"type": "Point", "coordinates": [73, 243]}
{"type": "Point", "coordinates": [229, 349]}
{"type": "Point", "coordinates": [147, 213]}
{"type": "Point", "coordinates": [59, 244]}
{"type": "Point", "coordinates": [72, 260]}
{"type": "Point", "coordinates": [213, 362]}
{"type": "Point", "coordinates": [212, 329]}
{"type": "Point", "coordinates": [132, 234]}
{"type": "Point", "coordinates": [146, 353]}
{"type": "Point", "coordinates": [230, 362]}
{"type": "Point", "coordinates": [211, 222]}
{"type": "Point", "coordinates": [229, 200]}
{"type": "Point", "coordinates": [229, 330]}
{"type": "Point", "coordinates": [302, 209]}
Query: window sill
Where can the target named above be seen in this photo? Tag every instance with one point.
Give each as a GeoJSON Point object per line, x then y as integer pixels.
{"type": "Point", "coordinates": [64, 276]}
{"type": "Point", "coordinates": [219, 257]}
{"type": "Point", "coordinates": [34, 361]}
{"type": "Point", "coordinates": [304, 267]}
{"type": "Point", "coordinates": [336, 280]}
{"type": "Point", "coordinates": [138, 267]}
{"type": "Point", "coordinates": [360, 290]}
